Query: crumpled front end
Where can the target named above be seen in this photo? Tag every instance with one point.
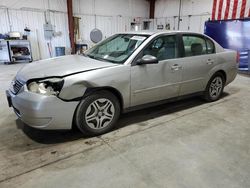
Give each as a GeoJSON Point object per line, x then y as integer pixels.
{"type": "Point", "coordinates": [40, 111]}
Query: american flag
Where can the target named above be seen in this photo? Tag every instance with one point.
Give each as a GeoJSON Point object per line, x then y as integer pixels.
{"type": "Point", "coordinates": [230, 9]}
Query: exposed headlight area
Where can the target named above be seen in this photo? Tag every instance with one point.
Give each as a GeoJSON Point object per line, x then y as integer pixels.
{"type": "Point", "coordinates": [50, 86]}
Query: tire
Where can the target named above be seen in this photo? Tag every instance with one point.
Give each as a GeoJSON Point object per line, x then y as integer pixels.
{"type": "Point", "coordinates": [97, 113]}
{"type": "Point", "coordinates": [214, 87]}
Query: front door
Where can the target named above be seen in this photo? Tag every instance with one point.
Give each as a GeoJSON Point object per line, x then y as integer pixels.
{"type": "Point", "coordinates": [155, 82]}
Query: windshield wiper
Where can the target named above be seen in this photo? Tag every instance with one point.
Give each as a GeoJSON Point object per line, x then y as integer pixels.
{"type": "Point", "coordinates": [94, 57]}
{"type": "Point", "coordinates": [100, 59]}
{"type": "Point", "coordinates": [91, 56]}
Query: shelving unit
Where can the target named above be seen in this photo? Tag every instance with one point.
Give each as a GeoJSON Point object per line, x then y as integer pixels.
{"type": "Point", "coordinates": [12, 51]}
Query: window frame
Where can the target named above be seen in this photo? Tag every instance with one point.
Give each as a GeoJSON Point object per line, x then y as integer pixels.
{"type": "Point", "coordinates": [199, 36]}
{"type": "Point", "coordinates": [179, 44]}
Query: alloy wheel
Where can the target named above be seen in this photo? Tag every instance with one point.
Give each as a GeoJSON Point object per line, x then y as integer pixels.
{"type": "Point", "coordinates": [99, 113]}
{"type": "Point", "coordinates": [216, 87]}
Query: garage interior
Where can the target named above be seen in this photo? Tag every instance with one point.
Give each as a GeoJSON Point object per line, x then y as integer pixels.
{"type": "Point", "coordinates": [187, 143]}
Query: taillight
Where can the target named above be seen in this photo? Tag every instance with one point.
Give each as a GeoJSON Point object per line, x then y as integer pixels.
{"type": "Point", "coordinates": [238, 57]}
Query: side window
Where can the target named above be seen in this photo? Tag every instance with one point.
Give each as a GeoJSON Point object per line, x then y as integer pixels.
{"type": "Point", "coordinates": [210, 46]}
{"type": "Point", "coordinates": [194, 45]}
{"type": "Point", "coordinates": [163, 48]}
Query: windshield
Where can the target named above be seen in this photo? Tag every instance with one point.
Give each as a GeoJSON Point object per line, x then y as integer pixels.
{"type": "Point", "coordinates": [117, 48]}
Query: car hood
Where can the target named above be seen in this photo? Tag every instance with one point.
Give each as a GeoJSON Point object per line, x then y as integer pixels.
{"type": "Point", "coordinates": [60, 66]}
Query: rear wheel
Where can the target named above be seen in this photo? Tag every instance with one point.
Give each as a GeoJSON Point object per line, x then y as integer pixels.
{"type": "Point", "coordinates": [97, 113]}
{"type": "Point", "coordinates": [215, 87]}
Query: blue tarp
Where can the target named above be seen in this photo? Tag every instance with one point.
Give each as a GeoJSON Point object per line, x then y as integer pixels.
{"type": "Point", "coordinates": [232, 34]}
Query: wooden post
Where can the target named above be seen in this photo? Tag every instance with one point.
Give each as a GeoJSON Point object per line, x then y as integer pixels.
{"type": "Point", "coordinates": [71, 25]}
{"type": "Point", "coordinates": [152, 9]}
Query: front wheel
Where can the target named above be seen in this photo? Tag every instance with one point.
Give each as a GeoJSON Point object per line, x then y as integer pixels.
{"type": "Point", "coordinates": [215, 87]}
{"type": "Point", "coordinates": [97, 113]}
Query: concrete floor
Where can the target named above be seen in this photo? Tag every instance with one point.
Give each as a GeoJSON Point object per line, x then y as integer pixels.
{"type": "Point", "coordinates": [185, 144]}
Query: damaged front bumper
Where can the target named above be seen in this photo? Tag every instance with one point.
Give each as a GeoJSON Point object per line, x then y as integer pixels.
{"type": "Point", "coordinates": [41, 111]}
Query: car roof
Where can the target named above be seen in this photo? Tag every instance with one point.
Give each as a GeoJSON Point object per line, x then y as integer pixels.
{"type": "Point", "coordinates": [152, 32]}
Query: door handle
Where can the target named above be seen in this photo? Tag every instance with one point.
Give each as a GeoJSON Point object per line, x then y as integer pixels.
{"type": "Point", "coordinates": [210, 62]}
{"type": "Point", "coordinates": [175, 67]}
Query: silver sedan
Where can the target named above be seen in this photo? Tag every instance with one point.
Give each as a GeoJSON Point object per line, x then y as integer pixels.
{"type": "Point", "coordinates": [125, 72]}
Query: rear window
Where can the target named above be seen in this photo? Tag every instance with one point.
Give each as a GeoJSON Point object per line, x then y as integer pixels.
{"type": "Point", "coordinates": [210, 46]}
{"type": "Point", "coordinates": [194, 45]}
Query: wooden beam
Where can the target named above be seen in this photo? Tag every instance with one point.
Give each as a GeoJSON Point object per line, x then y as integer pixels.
{"type": "Point", "coordinates": [152, 9]}
{"type": "Point", "coordinates": [71, 25]}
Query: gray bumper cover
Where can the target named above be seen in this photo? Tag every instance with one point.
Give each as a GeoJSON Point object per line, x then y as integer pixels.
{"type": "Point", "coordinates": [40, 111]}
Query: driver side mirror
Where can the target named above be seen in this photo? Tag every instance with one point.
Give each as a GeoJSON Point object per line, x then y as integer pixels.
{"type": "Point", "coordinates": [147, 59]}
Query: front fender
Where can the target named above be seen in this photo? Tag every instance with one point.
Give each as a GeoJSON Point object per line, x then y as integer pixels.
{"type": "Point", "coordinates": [117, 77]}
{"type": "Point", "coordinates": [74, 91]}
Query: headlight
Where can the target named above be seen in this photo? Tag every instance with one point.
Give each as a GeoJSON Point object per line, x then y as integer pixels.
{"type": "Point", "coordinates": [51, 86]}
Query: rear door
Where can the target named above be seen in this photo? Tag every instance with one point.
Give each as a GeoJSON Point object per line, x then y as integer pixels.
{"type": "Point", "coordinates": [198, 59]}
